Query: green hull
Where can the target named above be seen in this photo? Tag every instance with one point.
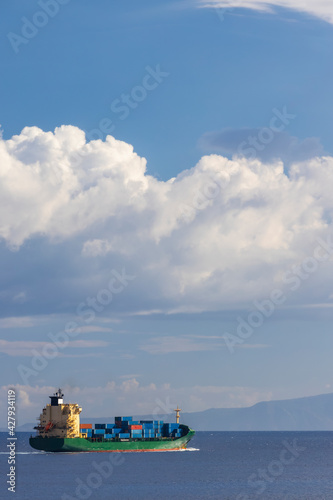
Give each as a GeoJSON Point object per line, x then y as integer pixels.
{"type": "Point", "coordinates": [87, 445]}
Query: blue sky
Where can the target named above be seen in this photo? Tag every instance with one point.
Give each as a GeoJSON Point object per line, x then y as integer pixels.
{"type": "Point", "coordinates": [216, 183]}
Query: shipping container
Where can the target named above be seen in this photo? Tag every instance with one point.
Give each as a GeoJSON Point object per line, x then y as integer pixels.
{"type": "Point", "coordinates": [109, 436]}
{"type": "Point", "coordinates": [99, 431]}
{"type": "Point", "coordinates": [124, 435]}
{"type": "Point", "coordinates": [85, 426]}
{"type": "Point", "coordinates": [99, 426]}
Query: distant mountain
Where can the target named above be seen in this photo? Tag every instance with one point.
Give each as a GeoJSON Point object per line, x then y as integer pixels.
{"type": "Point", "coordinates": [313, 413]}
{"type": "Point", "coordinates": [305, 414]}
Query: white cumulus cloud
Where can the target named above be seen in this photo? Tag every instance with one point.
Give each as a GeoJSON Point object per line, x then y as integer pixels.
{"type": "Point", "coordinates": [218, 235]}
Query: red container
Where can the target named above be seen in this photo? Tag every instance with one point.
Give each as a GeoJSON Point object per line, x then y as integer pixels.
{"type": "Point", "coordinates": [135, 427]}
{"type": "Point", "coordinates": [85, 426]}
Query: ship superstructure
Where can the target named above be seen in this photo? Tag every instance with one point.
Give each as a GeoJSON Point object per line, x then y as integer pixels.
{"type": "Point", "coordinates": [58, 419]}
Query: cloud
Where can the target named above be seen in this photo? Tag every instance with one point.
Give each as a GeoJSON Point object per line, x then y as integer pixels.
{"type": "Point", "coordinates": [216, 237]}
{"type": "Point", "coordinates": [166, 345]}
{"type": "Point", "coordinates": [190, 343]}
{"type": "Point", "coordinates": [95, 329]}
{"type": "Point", "coordinates": [29, 348]}
{"type": "Point", "coordinates": [18, 322]}
{"type": "Point", "coordinates": [56, 184]}
{"type": "Point", "coordinates": [322, 9]}
{"type": "Point", "coordinates": [246, 142]}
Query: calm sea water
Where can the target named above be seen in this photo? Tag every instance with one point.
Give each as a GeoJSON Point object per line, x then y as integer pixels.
{"type": "Point", "coordinates": [219, 465]}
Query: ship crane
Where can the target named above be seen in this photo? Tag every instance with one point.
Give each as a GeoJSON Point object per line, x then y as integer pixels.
{"type": "Point", "coordinates": [178, 410]}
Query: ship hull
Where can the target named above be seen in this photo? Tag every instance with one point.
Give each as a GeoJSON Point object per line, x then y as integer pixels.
{"type": "Point", "coordinates": [74, 445]}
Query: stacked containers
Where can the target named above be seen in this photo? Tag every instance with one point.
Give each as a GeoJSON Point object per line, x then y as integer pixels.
{"type": "Point", "coordinates": [136, 431]}
{"type": "Point", "coordinates": [86, 429]}
{"type": "Point", "coordinates": [126, 427]}
{"type": "Point", "coordinates": [171, 430]}
{"type": "Point", "coordinates": [152, 428]}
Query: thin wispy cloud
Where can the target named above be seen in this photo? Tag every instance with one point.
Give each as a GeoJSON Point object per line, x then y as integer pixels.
{"type": "Point", "coordinates": [28, 348]}
{"type": "Point", "coordinates": [95, 329]}
{"type": "Point", "coordinates": [167, 345]}
{"type": "Point", "coordinates": [18, 322]}
{"type": "Point", "coordinates": [322, 9]}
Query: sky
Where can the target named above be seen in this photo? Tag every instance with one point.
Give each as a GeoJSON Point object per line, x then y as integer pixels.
{"type": "Point", "coordinates": [166, 212]}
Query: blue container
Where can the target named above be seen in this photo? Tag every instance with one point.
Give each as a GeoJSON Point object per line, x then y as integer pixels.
{"type": "Point", "coordinates": [99, 431]}
{"type": "Point", "coordinates": [108, 436]}
{"type": "Point", "coordinates": [99, 426]}
{"type": "Point", "coordinates": [110, 426]}
{"type": "Point", "coordinates": [127, 418]}
{"type": "Point", "coordinates": [146, 421]}
{"type": "Point", "coordinates": [116, 431]}
{"type": "Point", "coordinates": [124, 435]}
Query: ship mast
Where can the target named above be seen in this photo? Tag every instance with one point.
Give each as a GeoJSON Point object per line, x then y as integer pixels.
{"type": "Point", "coordinates": [178, 410]}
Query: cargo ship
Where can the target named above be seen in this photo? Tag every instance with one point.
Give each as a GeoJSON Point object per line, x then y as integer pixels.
{"type": "Point", "coordinates": [59, 430]}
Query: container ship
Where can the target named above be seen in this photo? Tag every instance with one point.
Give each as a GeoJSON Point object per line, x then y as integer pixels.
{"type": "Point", "coordinates": [59, 430]}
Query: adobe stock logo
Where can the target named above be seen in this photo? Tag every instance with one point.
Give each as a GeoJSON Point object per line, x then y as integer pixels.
{"type": "Point", "coordinates": [30, 27]}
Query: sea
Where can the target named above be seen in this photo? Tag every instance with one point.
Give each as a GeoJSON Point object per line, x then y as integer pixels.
{"type": "Point", "coordinates": [217, 465]}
